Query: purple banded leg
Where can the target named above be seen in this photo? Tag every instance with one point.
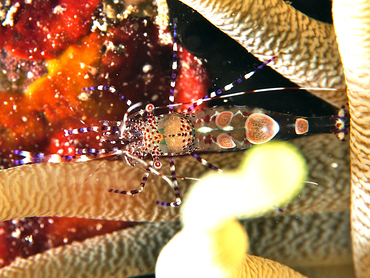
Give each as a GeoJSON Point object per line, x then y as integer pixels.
{"type": "Point", "coordinates": [29, 157]}
{"type": "Point", "coordinates": [81, 155]}
{"type": "Point", "coordinates": [206, 163]}
{"type": "Point", "coordinates": [175, 63]}
{"type": "Point", "coordinates": [150, 169]}
{"type": "Point", "coordinates": [110, 89]}
{"type": "Point", "coordinates": [96, 153]}
{"type": "Point", "coordinates": [229, 86]}
{"type": "Point", "coordinates": [175, 187]}
{"type": "Point", "coordinates": [109, 130]}
{"type": "Point", "coordinates": [137, 190]}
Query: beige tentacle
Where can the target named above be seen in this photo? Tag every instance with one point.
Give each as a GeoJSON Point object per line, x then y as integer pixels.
{"type": "Point", "coordinates": [125, 253]}
{"type": "Point", "coordinates": [260, 267]}
{"type": "Point", "coordinates": [352, 25]}
{"type": "Point", "coordinates": [81, 190]}
{"type": "Point", "coordinates": [319, 240]}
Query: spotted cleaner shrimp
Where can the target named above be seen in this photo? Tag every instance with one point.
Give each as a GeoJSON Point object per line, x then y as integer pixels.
{"type": "Point", "coordinates": [160, 131]}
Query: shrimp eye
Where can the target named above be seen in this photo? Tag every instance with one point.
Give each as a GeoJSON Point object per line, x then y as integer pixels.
{"type": "Point", "coordinates": [157, 165]}
{"type": "Point", "coordinates": [149, 107]}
